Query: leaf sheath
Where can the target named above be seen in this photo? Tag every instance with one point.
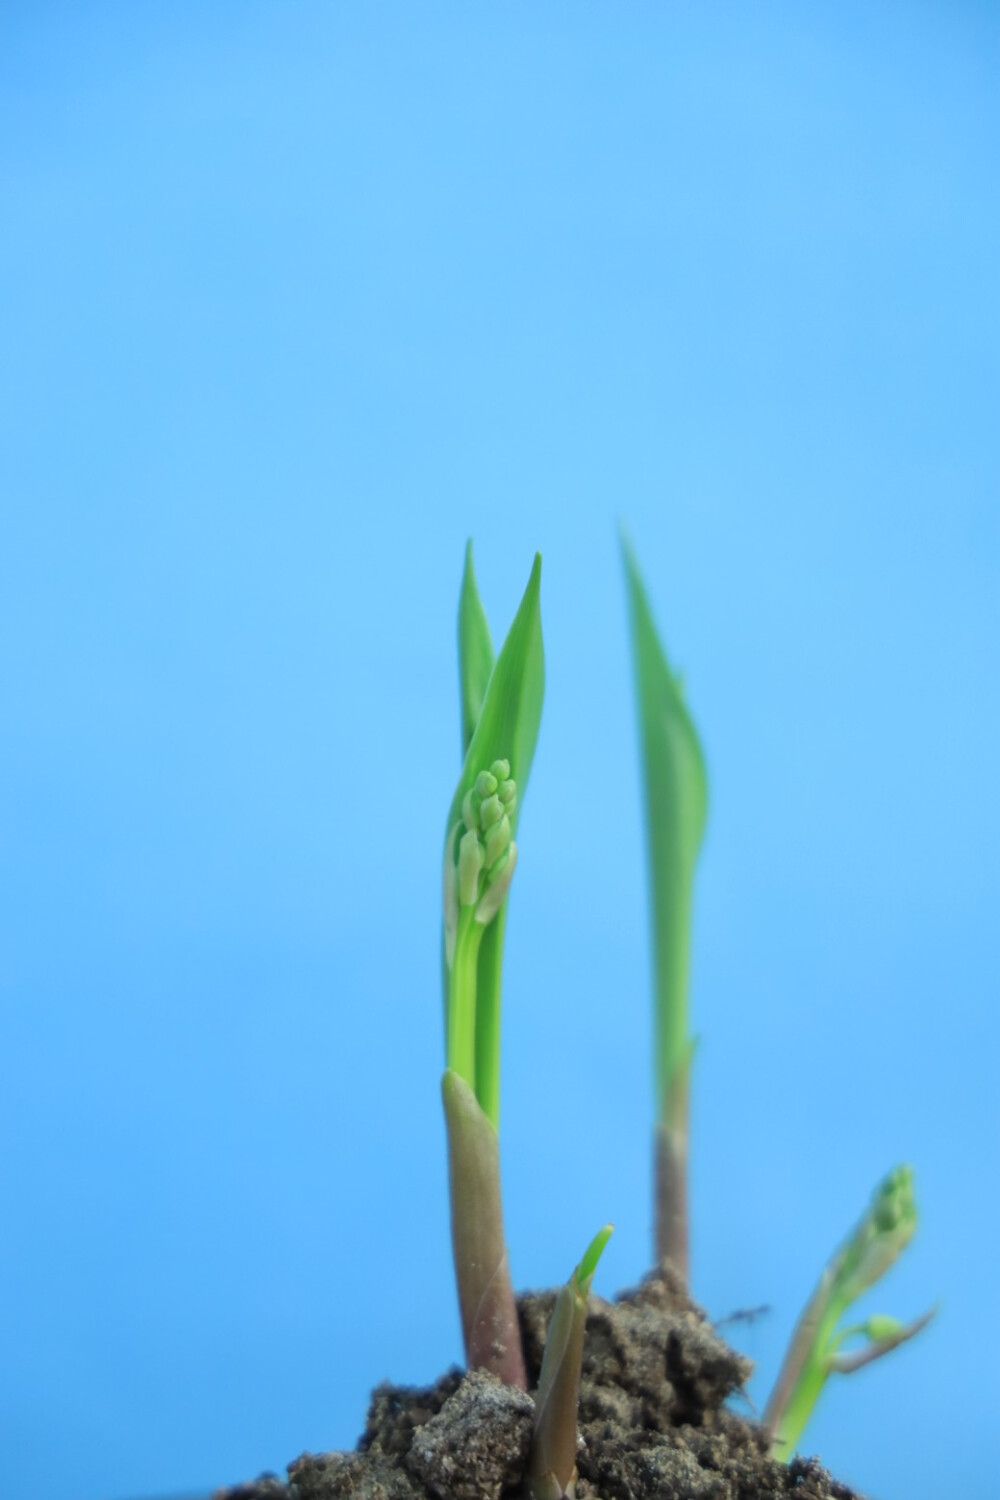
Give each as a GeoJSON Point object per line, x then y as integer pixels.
{"type": "Point", "coordinates": [486, 1299]}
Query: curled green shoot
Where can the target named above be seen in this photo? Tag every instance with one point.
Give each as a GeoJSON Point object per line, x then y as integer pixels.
{"type": "Point", "coordinates": [816, 1350]}
{"type": "Point", "coordinates": [676, 799]}
{"type": "Point", "coordinates": [552, 1462]}
{"type": "Point", "coordinates": [501, 710]}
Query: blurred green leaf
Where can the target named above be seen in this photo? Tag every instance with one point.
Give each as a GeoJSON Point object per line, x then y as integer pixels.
{"type": "Point", "coordinates": [676, 807]}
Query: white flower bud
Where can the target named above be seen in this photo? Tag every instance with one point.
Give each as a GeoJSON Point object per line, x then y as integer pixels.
{"type": "Point", "coordinates": [470, 866]}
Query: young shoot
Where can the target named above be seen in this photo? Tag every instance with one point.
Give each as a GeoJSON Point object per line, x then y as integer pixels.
{"type": "Point", "coordinates": [501, 709]}
{"type": "Point", "coordinates": [676, 798]}
{"type": "Point", "coordinates": [552, 1462]}
{"type": "Point", "coordinates": [817, 1347]}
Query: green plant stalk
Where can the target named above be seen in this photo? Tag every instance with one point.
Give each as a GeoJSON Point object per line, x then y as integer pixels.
{"type": "Point", "coordinates": [552, 1461]}
{"type": "Point", "coordinates": [804, 1373]}
{"type": "Point", "coordinates": [489, 974]}
{"type": "Point", "coordinates": [815, 1349]}
{"type": "Point", "coordinates": [501, 709]}
{"type": "Point", "coordinates": [462, 998]}
{"type": "Point", "coordinates": [676, 798]}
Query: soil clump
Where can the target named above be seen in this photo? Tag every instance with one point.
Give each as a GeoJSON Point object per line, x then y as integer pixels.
{"type": "Point", "coordinates": [652, 1422]}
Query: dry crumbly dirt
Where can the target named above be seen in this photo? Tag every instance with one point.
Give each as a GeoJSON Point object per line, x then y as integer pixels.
{"type": "Point", "coordinates": [653, 1424]}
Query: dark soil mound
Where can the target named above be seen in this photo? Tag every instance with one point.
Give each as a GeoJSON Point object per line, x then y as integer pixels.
{"type": "Point", "coordinates": [652, 1422]}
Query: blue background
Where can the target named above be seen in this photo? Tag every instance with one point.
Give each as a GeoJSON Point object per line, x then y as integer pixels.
{"type": "Point", "coordinates": [295, 298]}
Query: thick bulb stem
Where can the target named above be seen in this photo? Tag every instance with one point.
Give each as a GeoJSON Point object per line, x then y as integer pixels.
{"type": "Point", "coordinates": [490, 1328]}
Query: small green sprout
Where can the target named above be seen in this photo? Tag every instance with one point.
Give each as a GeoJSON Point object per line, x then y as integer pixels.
{"type": "Point", "coordinates": [816, 1349]}
{"type": "Point", "coordinates": [676, 806]}
{"type": "Point", "coordinates": [552, 1463]}
{"type": "Point", "coordinates": [501, 710]}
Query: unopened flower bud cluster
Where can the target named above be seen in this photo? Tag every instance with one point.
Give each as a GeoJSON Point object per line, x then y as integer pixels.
{"type": "Point", "coordinates": [481, 855]}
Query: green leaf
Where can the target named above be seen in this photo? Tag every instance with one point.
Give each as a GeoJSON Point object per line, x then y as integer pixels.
{"type": "Point", "coordinates": [676, 806]}
{"type": "Point", "coordinates": [475, 650]}
{"type": "Point", "coordinates": [507, 726]}
{"type": "Point", "coordinates": [508, 707]}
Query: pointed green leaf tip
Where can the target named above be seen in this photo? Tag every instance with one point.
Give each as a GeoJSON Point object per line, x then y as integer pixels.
{"type": "Point", "coordinates": [676, 808]}
{"type": "Point", "coordinates": [507, 725]}
{"type": "Point", "coordinates": [475, 650]}
{"type": "Point", "coordinates": [584, 1273]}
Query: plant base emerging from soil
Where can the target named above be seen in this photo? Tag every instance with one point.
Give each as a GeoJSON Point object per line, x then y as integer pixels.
{"type": "Point", "coordinates": [653, 1423]}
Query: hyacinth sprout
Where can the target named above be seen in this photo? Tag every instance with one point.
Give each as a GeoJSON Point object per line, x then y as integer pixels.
{"type": "Point", "coordinates": [501, 710]}
{"type": "Point", "coordinates": [676, 800]}
{"type": "Point", "coordinates": [552, 1463]}
{"type": "Point", "coordinates": [817, 1347]}
{"type": "Point", "coordinates": [501, 703]}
